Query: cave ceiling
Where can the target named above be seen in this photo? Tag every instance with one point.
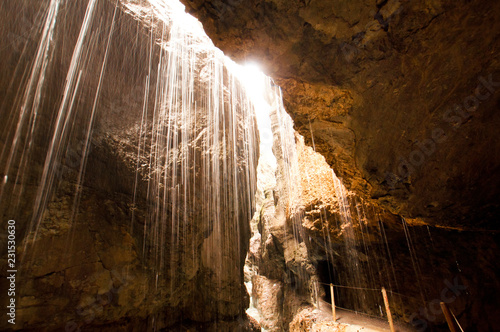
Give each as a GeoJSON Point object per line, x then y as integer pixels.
{"type": "Point", "coordinates": [400, 96]}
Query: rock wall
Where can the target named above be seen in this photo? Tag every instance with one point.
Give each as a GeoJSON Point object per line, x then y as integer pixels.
{"type": "Point", "coordinates": [368, 83]}
{"type": "Point", "coordinates": [361, 248]}
{"type": "Point", "coordinates": [110, 249]}
{"type": "Point", "coordinates": [387, 91]}
{"type": "Point", "coordinates": [401, 98]}
{"type": "Point", "coordinates": [283, 277]}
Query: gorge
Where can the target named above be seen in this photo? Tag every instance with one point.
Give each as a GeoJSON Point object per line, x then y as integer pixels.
{"type": "Point", "coordinates": [158, 184]}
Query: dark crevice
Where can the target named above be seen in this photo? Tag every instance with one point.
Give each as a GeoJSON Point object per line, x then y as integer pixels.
{"type": "Point", "coordinates": [382, 4]}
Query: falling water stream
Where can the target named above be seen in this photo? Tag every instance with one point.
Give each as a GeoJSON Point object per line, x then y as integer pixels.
{"type": "Point", "coordinates": [196, 138]}
{"type": "Point", "coordinates": [195, 135]}
{"type": "Point", "coordinates": [199, 124]}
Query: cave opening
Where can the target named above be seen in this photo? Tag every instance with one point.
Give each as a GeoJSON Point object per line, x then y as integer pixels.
{"type": "Point", "coordinates": [327, 276]}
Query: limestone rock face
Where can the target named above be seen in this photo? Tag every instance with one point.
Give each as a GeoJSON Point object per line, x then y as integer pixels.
{"type": "Point", "coordinates": [340, 238]}
{"type": "Point", "coordinates": [270, 302]}
{"type": "Point", "coordinates": [401, 97]}
{"type": "Point", "coordinates": [144, 238]}
{"type": "Point", "coordinates": [362, 248]}
{"type": "Point", "coordinates": [285, 281]}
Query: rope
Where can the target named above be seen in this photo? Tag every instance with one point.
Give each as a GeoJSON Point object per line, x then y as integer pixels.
{"type": "Point", "coordinates": [361, 288]}
{"type": "Point", "coordinates": [372, 289]}
{"type": "Point", "coordinates": [358, 312]}
{"type": "Point", "coordinates": [395, 293]}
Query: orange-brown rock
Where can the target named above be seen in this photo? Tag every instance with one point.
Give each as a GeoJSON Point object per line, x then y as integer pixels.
{"type": "Point", "coordinates": [374, 85]}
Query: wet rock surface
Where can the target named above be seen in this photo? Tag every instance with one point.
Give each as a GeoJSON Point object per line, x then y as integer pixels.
{"type": "Point", "coordinates": [99, 267]}
{"type": "Point", "coordinates": [369, 82]}
{"type": "Point", "coordinates": [419, 265]}
{"type": "Point", "coordinates": [376, 85]}
{"type": "Point", "coordinates": [402, 99]}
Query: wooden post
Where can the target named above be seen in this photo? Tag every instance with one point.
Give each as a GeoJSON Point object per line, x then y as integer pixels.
{"type": "Point", "coordinates": [317, 294]}
{"type": "Point", "coordinates": [388, 309]}
{"type": "Point", "coordinates": [333, 303]}
{"type": "Point", "coordinates": [448, 317]}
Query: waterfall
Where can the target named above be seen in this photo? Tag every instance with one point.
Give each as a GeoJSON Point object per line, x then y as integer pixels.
{"type": "Point", "coordinates": [203, 149]}
{"type": "Point", "coordinates": [181, 125]}
{"type": "Point", "coordinates": [129, 156]}
{"type": "Point", "coordinates": [176, 113]}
